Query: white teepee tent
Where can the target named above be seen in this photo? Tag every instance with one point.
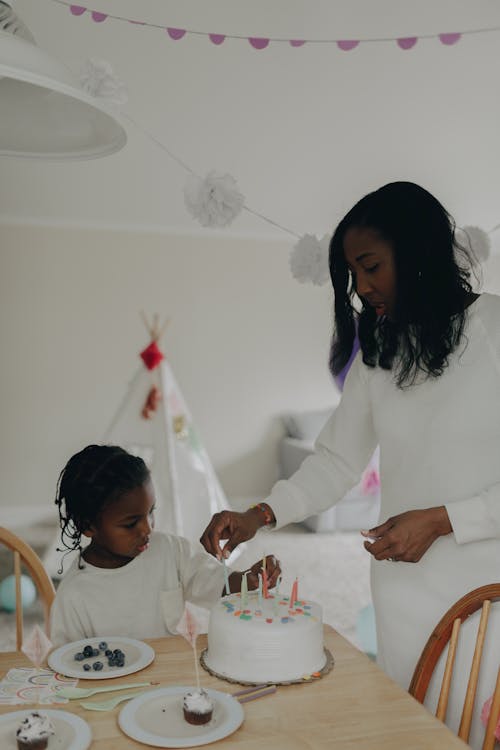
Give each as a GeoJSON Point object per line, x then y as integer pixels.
{"type": "Point", "coordinates": [154, 422]}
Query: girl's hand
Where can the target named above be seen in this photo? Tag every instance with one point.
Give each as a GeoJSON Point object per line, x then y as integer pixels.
{"type": "Point", "coordinates": [407, 536]}
{"type": "Point", "coordinates": [235, 527]}
{"type": "Point", "coordinates": [273, 570]}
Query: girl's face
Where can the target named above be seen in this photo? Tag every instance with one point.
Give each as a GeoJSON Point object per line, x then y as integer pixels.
{"type": "Point", "coordinates": [123, 529]}
{"type": "Point", "coordinates": [371, 263]}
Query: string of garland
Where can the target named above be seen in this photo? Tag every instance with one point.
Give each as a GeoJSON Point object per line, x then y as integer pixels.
{"type": "Point", "coordinates": [448, 38]}
{"type": "Point", "coordinates": [215, 200]}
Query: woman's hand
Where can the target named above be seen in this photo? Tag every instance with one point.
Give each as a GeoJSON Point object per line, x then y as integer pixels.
{"type": "Point", "coordinates": [235, 527]}
{"type": "Point", "coordinates": [407, 536]}
{"type": "Point", "coordinates": [273, 570]}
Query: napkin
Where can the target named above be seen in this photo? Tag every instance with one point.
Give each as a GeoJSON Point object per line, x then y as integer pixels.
{"type": "Point", "coordinates": [31, 685]}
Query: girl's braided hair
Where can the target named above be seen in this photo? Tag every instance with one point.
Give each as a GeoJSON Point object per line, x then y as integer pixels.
{"type": "Point", "coordinates": [91, 479]}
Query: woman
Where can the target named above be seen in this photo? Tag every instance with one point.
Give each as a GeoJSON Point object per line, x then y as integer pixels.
{"type": "Point", "coordinates": [425, 387]}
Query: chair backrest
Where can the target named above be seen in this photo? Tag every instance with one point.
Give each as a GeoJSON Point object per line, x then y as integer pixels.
{"type": "Point", "coordinates": [447, 632]}
{"type": "Point", "coordinates": [26, 556]}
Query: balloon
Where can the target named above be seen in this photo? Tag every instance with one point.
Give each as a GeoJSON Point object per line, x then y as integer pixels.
{"type": "Point", "coordinates": [8, 592]}
{"type": "Point", "coordinates": [366, 631]}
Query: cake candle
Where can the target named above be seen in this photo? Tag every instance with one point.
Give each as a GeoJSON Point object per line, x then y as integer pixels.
{"type": "Point", "coordinates": [226, 576]}
{"type": "Point", "coordinates": [244, 590]}
{"type": "Point", "coordinates": [276, 605]}
{"type": "Point", "coordinates": [259, 591]}
{"type": "Point", "coordinates": [295, 593]}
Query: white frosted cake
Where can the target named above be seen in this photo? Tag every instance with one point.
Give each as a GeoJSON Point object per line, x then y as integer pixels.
{"type": "Point", "coordinates": [265, 641]}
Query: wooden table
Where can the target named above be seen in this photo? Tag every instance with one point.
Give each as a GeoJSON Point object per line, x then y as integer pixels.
{"type": "Point", "coordinates": [355, 706]}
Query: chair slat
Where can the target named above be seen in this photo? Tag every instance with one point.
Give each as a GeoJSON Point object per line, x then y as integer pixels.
{"type": "Point", "coordinates": [25, 555]}
{"type": "Point", "coordinates": [19, 601]}
{"type": "Point", "coordinates": [489, 736]}
{"type": "Point", "coordinates": [448, 672]}
{"type": "Point", "coordinates": [470, 695]}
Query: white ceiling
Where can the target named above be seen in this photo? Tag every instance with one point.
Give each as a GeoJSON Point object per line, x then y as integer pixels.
{"type": "Point", "coordinates": [305, 131]}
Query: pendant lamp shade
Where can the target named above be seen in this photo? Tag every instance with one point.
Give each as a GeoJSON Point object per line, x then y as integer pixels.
{"type": "Point", "coordinates": [44, 113]}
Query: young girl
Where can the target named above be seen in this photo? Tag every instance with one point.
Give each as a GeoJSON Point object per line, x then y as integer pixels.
{"type": "Point", "coordinates": [425, 387]}
{"type": "Point", "coordinates": [129, 580]}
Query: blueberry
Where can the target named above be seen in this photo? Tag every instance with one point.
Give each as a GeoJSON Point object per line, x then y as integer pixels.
{"type": "Point", "coordinates": [103, 645]}
{"type": "Point", "coordinates": [86, 667]}
{"type": "Point", "coordinates": [88, 651]}
{"type": "Point", "coordinates": [108, 652]}
{"type": "Point", "coordinates": [120, 663]}
{"type": "Point", "coordinates": [117, 652]}
{"type": "Point", "coordinates": [79, 656]}
{"type": "Point", "coordinates": [98, 665]}
{"type": "Point", "coordinates": [95, 652]}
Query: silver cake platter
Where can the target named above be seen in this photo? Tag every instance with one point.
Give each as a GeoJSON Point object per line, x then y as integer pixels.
{"type": "Point", "coordinates": [306, 679]}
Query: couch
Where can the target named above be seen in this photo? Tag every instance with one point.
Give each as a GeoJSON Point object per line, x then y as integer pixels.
{"type": "Point", "coordinates": [360, 507]}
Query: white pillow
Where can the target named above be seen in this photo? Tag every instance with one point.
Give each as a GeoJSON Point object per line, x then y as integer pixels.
{"type": "Point", "coordinates": [306, 425]}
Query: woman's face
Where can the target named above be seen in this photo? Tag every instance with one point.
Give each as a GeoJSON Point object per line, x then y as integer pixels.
{"type": "Point", "coordinates": [371, 263]}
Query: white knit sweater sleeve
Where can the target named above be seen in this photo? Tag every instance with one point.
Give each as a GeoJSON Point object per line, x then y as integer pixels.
{"type": "Point", "coordinates": [342, 452]}
{"type": "Point", "coordinates": [201, 575]}
{"type": "Point", "coordinates": [476, 518]}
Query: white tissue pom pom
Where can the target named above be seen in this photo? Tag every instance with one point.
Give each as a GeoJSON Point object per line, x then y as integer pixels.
{"type": "Point", "coordinates": [214, 201]}
{"type": "Point", "coordinates": [477, 240]}
{"type": "Point", "coordinates": [98, 79]}
{"type": "Point", "coordinates": [309, 259]}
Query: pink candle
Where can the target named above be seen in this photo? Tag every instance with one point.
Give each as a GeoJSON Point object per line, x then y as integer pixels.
{"type": "Point", "coordinates": [295, 593]}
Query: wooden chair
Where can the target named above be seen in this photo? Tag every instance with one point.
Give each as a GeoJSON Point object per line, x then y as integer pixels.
{"type": "Point", "coordinates": [25, 555]}
{"type": "Point", "coordinates": [446, 632]}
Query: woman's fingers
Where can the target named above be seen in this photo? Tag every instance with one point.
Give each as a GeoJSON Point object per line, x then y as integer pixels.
{"type": "Point", "coordinates": [274, 572]}
{"type": "Point", "coordinates": [219, 528]}
{"type": "Point", "coordinates": [378, 531]}
{"type": "Point", "coordinates": [381, 550]}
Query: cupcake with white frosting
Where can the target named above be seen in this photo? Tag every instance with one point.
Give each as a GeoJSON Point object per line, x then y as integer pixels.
{"type": "Point", "coordinates": [198, 707]}
{"type": "Point", "coordinates": [34, 732]}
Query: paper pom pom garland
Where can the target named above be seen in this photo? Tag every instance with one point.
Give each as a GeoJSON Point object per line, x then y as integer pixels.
{"type": "Point", "coordinates": [214, 201]}
{"type": "Point", "coordinates": [476, 240]}
{"type": "Point", "coordinates": [309, 259]}
{"type": "Point", "coordinates": [309, 256]}
{"type": "Point", "coordinates": [98, 79]}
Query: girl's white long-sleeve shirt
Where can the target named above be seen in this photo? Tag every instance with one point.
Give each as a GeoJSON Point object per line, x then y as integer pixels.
{"type": "Point", "coordinates": [143, 599]}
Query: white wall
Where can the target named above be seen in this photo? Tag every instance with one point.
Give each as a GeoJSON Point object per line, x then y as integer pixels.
{"type": "Point", "coordinates": [305, 132]}
{"type": "Point", "coordinates": [246, 342]}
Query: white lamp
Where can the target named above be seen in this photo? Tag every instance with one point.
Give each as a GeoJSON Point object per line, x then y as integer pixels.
{"type": "Point", "coordinates": [44, 114]}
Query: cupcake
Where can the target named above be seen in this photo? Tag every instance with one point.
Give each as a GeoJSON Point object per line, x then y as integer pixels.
{"type": "Point", "coordinates": [34, 732]}
{"type": "Point", "coordinates": [198, 707]}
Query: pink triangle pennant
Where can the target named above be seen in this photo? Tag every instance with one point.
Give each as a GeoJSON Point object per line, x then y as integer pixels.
{"type": "Point", "coordinates": [36, 646]}
{"type": "Point", "coordinates": [188, 626]}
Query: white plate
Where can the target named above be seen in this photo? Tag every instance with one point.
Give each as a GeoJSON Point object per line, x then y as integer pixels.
{"type": "Point", "coordinates": [137, 656]}
{"type": "Point", "coordinates": [71, 732]}
{"type": "Point", "coordinates": [156, 718]}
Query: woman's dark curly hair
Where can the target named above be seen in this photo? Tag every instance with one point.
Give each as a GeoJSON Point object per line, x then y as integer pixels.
{"type": "Point", "coordinates": [91, 479]}
{"type": "Point", "coordinates": [433, 288]}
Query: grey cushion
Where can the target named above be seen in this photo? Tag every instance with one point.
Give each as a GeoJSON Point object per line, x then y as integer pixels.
{"type": "Point", "coordinates": [306, 425]}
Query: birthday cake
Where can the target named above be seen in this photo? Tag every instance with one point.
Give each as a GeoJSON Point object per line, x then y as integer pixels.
{"type": "Point", "coordinates": [265, 640]}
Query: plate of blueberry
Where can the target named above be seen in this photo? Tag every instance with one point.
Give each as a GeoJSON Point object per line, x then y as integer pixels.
{"type": "Point", "coordinates": [101, 658]}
